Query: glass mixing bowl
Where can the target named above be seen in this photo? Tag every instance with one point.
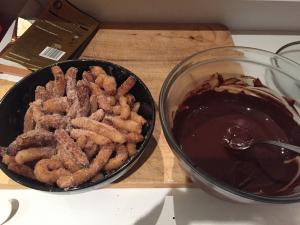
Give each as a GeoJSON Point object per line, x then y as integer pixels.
{"type": "Point", "coordinates": [193, 71]}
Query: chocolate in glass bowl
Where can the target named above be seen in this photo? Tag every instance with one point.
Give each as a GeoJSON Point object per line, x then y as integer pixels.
{"type": "Point", "coordinates": [205, 115]}
{"type": "Point", "coordinates": [229, 61]}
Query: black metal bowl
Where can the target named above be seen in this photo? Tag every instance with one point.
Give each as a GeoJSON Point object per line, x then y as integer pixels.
{"type": "Point", "coordinates": [15, 103]}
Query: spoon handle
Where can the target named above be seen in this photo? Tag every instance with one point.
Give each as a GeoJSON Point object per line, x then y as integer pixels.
{"type": "Point", "coordinates": [282, 145]}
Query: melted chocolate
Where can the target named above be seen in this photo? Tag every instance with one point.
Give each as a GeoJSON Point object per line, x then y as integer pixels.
{"type": "Point", "coordinates": [203, 119]}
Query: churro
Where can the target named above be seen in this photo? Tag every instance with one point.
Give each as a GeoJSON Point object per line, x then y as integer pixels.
{"type": "Point", "coordinates": [76, 130]}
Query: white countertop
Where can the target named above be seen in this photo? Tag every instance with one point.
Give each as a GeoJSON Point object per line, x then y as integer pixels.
{"type": "Point", "coordinates": [144, 206]}
{"type": "Point", "coordinates": [263, 41]}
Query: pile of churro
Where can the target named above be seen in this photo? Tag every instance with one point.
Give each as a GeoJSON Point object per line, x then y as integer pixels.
{"type": "Point", "coordinates": [77, 130]}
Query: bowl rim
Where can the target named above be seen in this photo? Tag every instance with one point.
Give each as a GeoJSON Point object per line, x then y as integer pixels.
{"type": "Point", "coordinates": [177, 150]}
{"type": "Point", "coordinates": [112, 176]}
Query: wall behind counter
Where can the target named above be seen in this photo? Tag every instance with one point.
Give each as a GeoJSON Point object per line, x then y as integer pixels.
{"type": "Point", "coordinates": [238, 15]}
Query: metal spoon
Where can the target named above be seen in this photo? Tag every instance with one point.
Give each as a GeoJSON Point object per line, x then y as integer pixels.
{"type": "Point", "coordinates": [240, 139]}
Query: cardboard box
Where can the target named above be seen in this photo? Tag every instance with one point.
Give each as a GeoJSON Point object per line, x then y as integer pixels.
{"type": "Point", "coordinates": [60, 33]}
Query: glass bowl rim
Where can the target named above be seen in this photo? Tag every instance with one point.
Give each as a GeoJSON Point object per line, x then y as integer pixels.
{"type": "Point", "coordinates": [177, 150]}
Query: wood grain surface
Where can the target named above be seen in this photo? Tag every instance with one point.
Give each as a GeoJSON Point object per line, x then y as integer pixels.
{"type": "Point", "coordinates": [5, 85]}
{"type": "Point", "coordinates": [151, 52]}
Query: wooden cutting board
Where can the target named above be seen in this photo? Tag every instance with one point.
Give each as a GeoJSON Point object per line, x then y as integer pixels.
{"type": "Point", "coordinates": [151, 52]}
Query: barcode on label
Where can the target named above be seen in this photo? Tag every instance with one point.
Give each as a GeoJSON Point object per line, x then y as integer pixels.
{"type": "Point", "coordinates": [52, 53]}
